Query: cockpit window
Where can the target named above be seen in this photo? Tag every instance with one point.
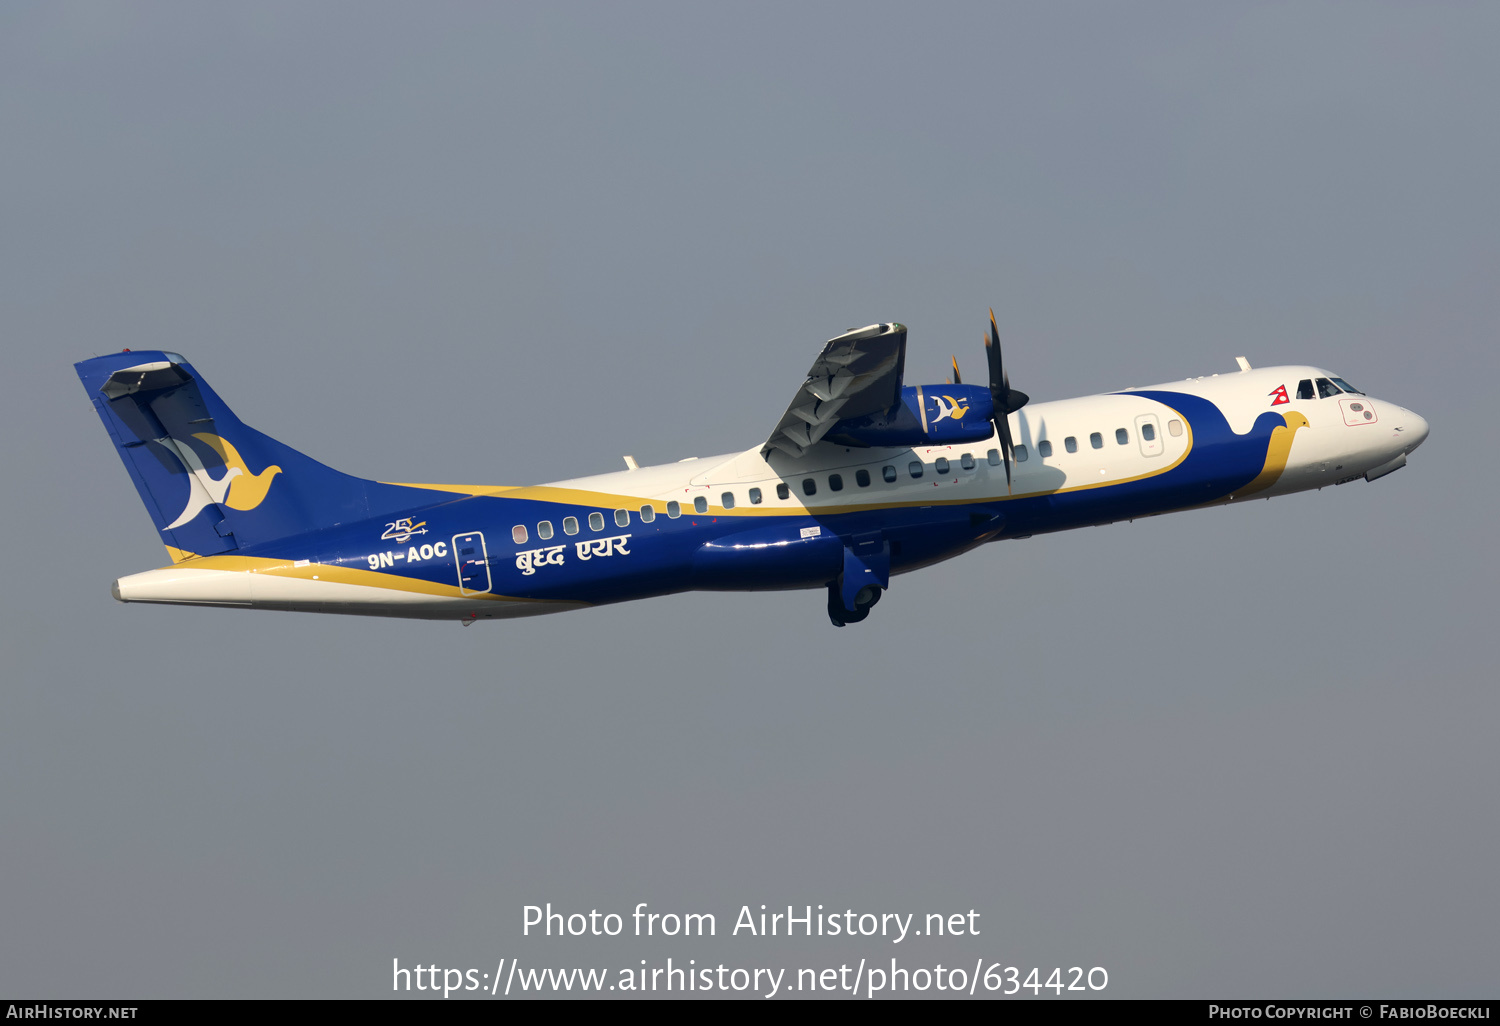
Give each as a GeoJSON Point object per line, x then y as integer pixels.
{"type": "Point", "coordinates": [1304, 389]}
{"type": "Point", "coordinates": [1326, 388]}
{"type": "Point", "coordinates": [1346, 386]}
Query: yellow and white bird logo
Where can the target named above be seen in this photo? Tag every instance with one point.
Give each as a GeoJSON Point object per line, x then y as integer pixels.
{"type": "Point", "coordinates": [952, 409]}
{"type": "Point", "coordinates": [238, 488]}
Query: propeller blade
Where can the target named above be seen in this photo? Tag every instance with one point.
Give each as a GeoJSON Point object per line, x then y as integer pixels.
{"type": "Point", "coordinates": [956, 379]}
{"type": "Point", "coordinates": [1004, 399]}
{"type": "Point", "coordinates": [1007, 449]}
{"type": "Point", "coordinates": [1004, 378]}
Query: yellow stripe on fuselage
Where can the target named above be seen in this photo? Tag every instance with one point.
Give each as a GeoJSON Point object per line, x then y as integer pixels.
{"type": "Point", "coordinates": [1278, 450]}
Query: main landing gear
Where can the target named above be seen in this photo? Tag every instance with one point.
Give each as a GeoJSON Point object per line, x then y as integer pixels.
{"type": "Point", "coordinates": [864, 601]}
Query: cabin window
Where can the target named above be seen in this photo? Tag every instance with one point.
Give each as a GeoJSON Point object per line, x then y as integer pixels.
{"type": "Point", "coordinates": [835, 483]}
{"type": "Point", "coordinates": [622, 518]}
{"type": "Point", "coordinates": [1096, 440]}
{"type": "Point", "coordinates": [941, 465]}
{"type": "Point", "coordinates": [1070, 443]}
{"type": "Point", "coordinates": [1305, 389]}
{"type": "Point", "coordinates": [809, 486]}
{"type": "Point", "coordinates": [914, 468]}
{"type": "Point", "coordinates": [755, 496]}
{"type": "Point", "coordinates": [544, 530]}
{"type": "Point", "coordinates": [1174, 427]}
{"type": "Point", "coordinates": [1044, 448]}
{"type": "Point", "coordinates": [1148, 432]}
{"type": "Point", "coordinates": [648, 514]}
{"type": "Point", "coordinates": [596, 521]}
{"type": "Point", "coordinates": [862, 478]}
{"type": "Point", "coordinates": [518, 534]}
{"type": "Point", "coordinates": [1326, 388]}
{"type": "Point", "coordinates": [888, 474]}
{"type": "Point", "coordinates": [1122, 436]}
{"type": "Point", "coordinates": [966, 461]}
{"type": "Point", "coordinates": [1022, 455]}
{"type": "Point", "coordinates": [727, 500]}
{"type": "Point", "coordinates": [783, 492]}
{"type": "Point", "coordinates": [674, 510]}
{"type": "Point", "coordinates": [570, 525]}
{"type": "Point", "coordinates": [993, 456]}
{"type": "Point", "coordinates": [700, 504]}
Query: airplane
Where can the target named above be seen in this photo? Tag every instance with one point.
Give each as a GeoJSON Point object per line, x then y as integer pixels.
{"type": "Point", "coordinates": [864, 477]}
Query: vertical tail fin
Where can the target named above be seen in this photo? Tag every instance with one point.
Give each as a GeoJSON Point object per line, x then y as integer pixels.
{"type": "Point", "coordinates": [210, 482]}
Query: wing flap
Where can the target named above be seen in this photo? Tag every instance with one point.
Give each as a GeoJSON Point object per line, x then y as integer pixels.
{"type": "Point", "coordinates": [857, 373]}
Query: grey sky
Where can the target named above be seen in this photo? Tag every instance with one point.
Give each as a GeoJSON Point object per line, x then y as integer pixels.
{"type": "Point", "coordinates": [1236, 752]}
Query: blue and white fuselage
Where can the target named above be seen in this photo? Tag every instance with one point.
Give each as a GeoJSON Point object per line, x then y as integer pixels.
{"type": "Point", "coordinates": [266, 527]}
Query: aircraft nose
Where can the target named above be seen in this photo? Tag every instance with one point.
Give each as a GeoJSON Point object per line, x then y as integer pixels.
{"type": "Point", "coordinates": [1416, 430]}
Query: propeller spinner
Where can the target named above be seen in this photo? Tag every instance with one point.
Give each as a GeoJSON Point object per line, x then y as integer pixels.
{"type": "Point", "coordinates": [1005, 400]}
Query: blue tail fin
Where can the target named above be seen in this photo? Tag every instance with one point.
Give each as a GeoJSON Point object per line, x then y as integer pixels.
{"type": "Point", "coordinates": [211, 483]}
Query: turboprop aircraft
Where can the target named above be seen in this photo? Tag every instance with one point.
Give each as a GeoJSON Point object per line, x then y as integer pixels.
{"type": "Point", "coordinates": [863, 478]}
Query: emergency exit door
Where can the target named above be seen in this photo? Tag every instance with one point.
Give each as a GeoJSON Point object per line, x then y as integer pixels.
{"type": "Point", "coordinates": [473, 563]}
{"type": "Point", "coordinates": [1148, 433]}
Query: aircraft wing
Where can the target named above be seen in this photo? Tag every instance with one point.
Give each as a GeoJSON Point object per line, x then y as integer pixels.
{"type": "Point", "coordinates": [856, 374]}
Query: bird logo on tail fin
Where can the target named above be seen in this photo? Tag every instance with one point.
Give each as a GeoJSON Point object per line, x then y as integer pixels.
{"type": "Point", "coordinates": [239, 488]}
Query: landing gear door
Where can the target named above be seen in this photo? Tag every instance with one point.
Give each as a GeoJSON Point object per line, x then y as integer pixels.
{"type": "Point", "coordinates": [1148, 432]}
{"type": "Point", "coordinates": [473, 563]}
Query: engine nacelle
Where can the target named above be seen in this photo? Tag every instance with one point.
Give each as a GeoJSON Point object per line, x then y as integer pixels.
{"type": "Point", "coordinates": [926, 415]}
